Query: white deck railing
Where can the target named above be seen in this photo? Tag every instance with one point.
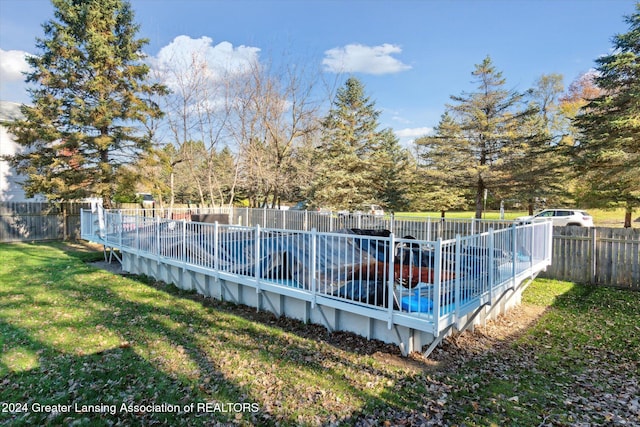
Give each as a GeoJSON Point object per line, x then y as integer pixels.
{"type": "Point", "coordinates": [422, 284]}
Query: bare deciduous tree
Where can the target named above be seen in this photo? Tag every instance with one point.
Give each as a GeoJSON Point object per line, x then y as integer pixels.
{"type": "Point", "coordinates": [197, 114]}
{"type": "Point", "coordinates": [274, 111]}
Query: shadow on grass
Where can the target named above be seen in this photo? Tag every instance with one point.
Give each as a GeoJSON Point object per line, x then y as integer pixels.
{"type": "Point", "coordinates": [74, 335]}
{"type": "Point", "coordinates": [69, 337]}
{"type": "Point", "coordinates": [50, 387]}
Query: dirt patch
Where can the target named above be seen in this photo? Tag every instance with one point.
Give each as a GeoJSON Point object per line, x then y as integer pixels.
{"type": "Point", "coordinates": [491, 337]}
{"type": "Point", "coordinates": [113, 267]}
{"type": "Point", "coordinates": [414, 363]}
{"type": "Point", "coordinates": [87, 247]}
{"type": "Point", "coordinates": [81, 246]}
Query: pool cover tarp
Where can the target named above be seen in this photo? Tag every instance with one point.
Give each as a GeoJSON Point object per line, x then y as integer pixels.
{"type": "Point", "coordinates": [342, 261]}
{"type": "Point", "coordinates": [284, 257]}
{"type": "Point", "coordinates": [287, 257]}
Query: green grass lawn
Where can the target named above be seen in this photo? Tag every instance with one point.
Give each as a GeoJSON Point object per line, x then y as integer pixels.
{"type": "Point", "coordinates": [81, 346]}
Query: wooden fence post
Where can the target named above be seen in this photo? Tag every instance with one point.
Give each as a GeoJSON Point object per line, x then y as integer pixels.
{"type": "Point", "coordinates": [65, 231]}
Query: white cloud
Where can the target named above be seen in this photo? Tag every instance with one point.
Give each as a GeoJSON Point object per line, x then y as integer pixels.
{"type": "Point", "coordinates": [413, 132]}
{"type": "Point", "coordinates": [364, 59]}
{"type": "Point", "coordinates": [185, 53]}
{"type": "Point", "coordinates": [398, 118]}
{"type": "Point", "coordinates": [12, 64]}
{"type": "Point", "coordinates": [407, 136]}
{"type": "Point", "coordinates": [12, 85]}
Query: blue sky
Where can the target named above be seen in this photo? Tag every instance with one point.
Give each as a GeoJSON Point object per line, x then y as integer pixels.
{"type": "Point", "coordinates": [411, 55]}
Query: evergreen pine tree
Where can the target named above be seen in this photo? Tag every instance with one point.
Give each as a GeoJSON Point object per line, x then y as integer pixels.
{"type": "Point", "coordinates": [444, 156]}
{"type": "Point", "coordinates": [394, 171]}
{"type": "Point", "coordinates": [90, 98]}
{"type": "Point", "coordinates": [539, 164]}
{"type": "Point", "coordinates": [346, 153]}
{"type": "Point", "coordinates": [477, 139]}
{"type": "Point", "coordinates": [608, 152]}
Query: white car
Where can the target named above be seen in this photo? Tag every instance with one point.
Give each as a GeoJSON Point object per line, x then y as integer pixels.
{"type": "Point", "coordinates": [562, 217]}
{"type": "Point", "coordinates": [363, 210]}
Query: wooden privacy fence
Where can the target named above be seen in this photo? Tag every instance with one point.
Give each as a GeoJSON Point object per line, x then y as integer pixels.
{"type": "Point", "coordinates": [35, 221]}
{"type": "Point", "coordinates": [602, 256]}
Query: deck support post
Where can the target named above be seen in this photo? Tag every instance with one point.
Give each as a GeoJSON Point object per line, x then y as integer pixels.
{"type": "Point", "coordinates": [438, 339]}
{"type": "Point", "coordinates": [402, 345]}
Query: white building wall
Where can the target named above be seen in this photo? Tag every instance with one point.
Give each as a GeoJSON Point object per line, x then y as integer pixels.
{"type": "Point", "coordinates": [10, 189]}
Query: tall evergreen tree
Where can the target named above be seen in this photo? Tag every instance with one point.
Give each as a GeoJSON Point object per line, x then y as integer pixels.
{"type": "Point", "coordinates": [91, 102]}
{"type": "Point", "coordinates": [444, 160]}
{"type": "Point", "coordinates": [350, 139]}
{"type": "Point", "coordinates": [479, 137]}
{"type": "Point", "coordinates": [394, 169]}
{"type": "Point", "coordinates": [608, 152]}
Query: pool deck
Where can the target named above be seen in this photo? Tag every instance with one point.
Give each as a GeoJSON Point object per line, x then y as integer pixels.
{"type": "Point", "coordinates": [410, 329]}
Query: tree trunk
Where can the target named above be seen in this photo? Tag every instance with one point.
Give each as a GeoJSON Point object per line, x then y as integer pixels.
{"type": "Point", "coordinates": [173, 191]}
{"type": "Point", "coordinates": [627, 216]}
{"type": "Point", "coordinates": [106, 202]}
{"type": "Point", "coordinates": [479, 198]}
{"type": "Point", "coordinates": [106, 175]}
{"type": "Point", "coordinates": [201, 194]}
{"type": "Point", "coordinates": [212, 197]}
